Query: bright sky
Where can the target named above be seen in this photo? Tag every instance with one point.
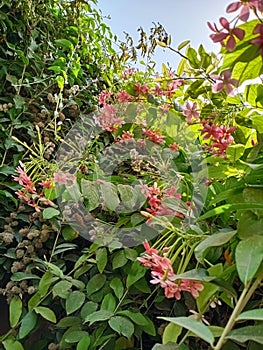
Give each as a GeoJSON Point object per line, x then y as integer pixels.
{"type": "Point", "coordinates": [183, 19]}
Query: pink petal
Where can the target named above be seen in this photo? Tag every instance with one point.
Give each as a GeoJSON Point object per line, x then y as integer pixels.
{"type": "Point", "coordinates": [234, 6]}
{"type": "Point", "coordinates": [217, 87]}
{"type": "Point", "coordinates": [218, 37]}
{"type": "Point", "coordinates": [233, 82]}
{"type": "Point", "coordinates": [213, 28]}
{"type": "Point", "coordinates": [229, 90]}
{"type": "Point", "coordinates": [231, 43]}
{"type": "Point", "coordinates": [244, 13]}
{"type": "Point", "coordinates": [224, 22]}
{"type": "Point", "coordinates": [239, 33]}
{"type": "Point", "coordinates": [226, 74]}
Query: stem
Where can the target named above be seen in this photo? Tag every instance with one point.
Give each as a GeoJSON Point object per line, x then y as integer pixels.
{"type": "Point", "coordinates": [243, 300]}
{"type": "Point", "coordinates": [238, 308]}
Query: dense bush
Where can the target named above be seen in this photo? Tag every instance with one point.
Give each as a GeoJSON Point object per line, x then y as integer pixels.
{"type": "Point", "coordinates": [98, 158]}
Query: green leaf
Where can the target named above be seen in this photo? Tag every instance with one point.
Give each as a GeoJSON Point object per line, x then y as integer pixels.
{"type": "Point", "coordinates": [249, 256]}
{"type": "Point", "coordinates": [49, 213]}
{"type": "Point", "coordinates": [65, 44]}
{"type": "Point", "coordinates": [136, 317]}
{"type": "Point", "coordinates": [95, 283]}
{"type": "Point", "coordinates": [68, 233]}
{"type": "Point", "coordinates": [171, 333]}
{"type": "Point", "coordinates": [87, 309]}
{"type": "Point", "coordinates": [183, 44]}
{"type": "Point", "coordinates": [119, 259]}
{"type": "Point", "coordinates": [61, 289]}
{"type": "Point", "coordinates": [214, 240]}
{"type": "Point", "coordinates": [11, 344]}
{"type": "Point", "coordinates": [194, 326]}
{"type": "Point", "coordinates": [195, 274]}
{"type": "Point", "coordinates": [108, 303]}
{"type": "Point", "coordinates": [101, 315]}
{"type": "Point", "coordinates": [84, 343]}
{"type": "Point", "coordinates": [229, 207]}
{"type": "Point", "coordinates": [28, 323]}
{"type": "Point", "coordinates": [241, 335]}
{"type": "Point", "coordinates": [61, 81]}
{"type": "Point", "coordinates": [192, 57]}
{"type": "Point", "coordinates": [46, 313]}
{"type": "Point", "coordinates": [122, 325]}
{"type": "Point", "coordinates": [68, 321]}
{"type": "Point", "coordinates": [90, 191]}
{"type": "Point", "coordinates": [20, 276]}
{"type": "Point", "coordinates": [110, 195]}
{"type": "Point", "coordinates": [46, 280]}
{"type": "Point", "coordinates": [256, 315]}
{"type": "Point", "coordinates": [15, 310]}
{"type": "Point", "coordinates": [136, 272]}
{"type": "Point", "coordinates": [75, 336]}
{"type": "Point", "coordinates": [117, 286]}
{"type": "Point", "coordinates": [74, 301]}
{"type": "Point", "coordinates": [170, 346]}
{"type": "Point", "coordinates": [234, 152]}
{"type": "Point", "coordinates": [101, 259]}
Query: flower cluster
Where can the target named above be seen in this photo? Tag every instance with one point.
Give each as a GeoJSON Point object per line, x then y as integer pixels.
{"type": "Point", "coordinates": [28, 193]}
{"type": "Point", "coordinates": [163, 274]}
{"type": "Point", "coordinates": [227, 36]}
{"type": "Point", "coordinates": [220, 136]}
{"type": "Point", "coordinates": [155, 197]}
{"type": "Point", "coordinates": [153, 135]}
{"type": "Point", "coordinates": [108, 118]}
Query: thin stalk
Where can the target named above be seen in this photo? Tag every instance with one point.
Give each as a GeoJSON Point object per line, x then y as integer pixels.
{"type": "Point", "coordinates": [243, 300]}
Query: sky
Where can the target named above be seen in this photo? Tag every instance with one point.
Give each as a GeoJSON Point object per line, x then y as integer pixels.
{"type": "Point", "coordinates": [183, 19]}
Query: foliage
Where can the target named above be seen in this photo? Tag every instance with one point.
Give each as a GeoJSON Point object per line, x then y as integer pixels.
{"type": "Point", "coordinates": [173, 158]}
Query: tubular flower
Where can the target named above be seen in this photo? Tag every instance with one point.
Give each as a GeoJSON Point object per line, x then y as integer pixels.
{"type": "Point", "coordinates": [225, 81]}
{"type": "Point", "coordinates": [162, 273]}
{"type": "Point", "coordinates": [229, 35]}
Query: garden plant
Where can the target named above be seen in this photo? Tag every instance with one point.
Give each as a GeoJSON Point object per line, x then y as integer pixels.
{"type": "Point", "coordinates": [132, 200]}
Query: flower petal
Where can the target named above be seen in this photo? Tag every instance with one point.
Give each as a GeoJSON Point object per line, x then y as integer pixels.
{"type": "Point", "coordinates": [234, 6]}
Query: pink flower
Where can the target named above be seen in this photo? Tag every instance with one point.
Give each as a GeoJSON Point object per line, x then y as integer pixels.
{"type": "Point", "coordinates": [191, 286]}
{"type": "Point", "coordinates": [157, 91]}
{"type": "Point", "coordinates": [23, 179]}
{"type": "Point", "coordinates": [103, 97]}
{"type": "Point", "coordinates": [162, 273]}
{"type": "Point", "coordinates": [230, 34]}
{"type": "Point", "coordinates": [125, 137]}
{"type": "Point", "coordinates": [165, 108]}
{"type": "Point", "coordinates": [153, 135]}
{"type": "Point", "coordinates": [174, 146]}
{"type": "Point", "coordinates": [190, 111]}
{"type": "Point", "coordinates": [128, 73]}
{"type": "Point", "coordinates": [221, 137]}
{"type": "Point", "coordinates": [141, 89]}
{"type": "Point", "coordinates": [173, 86]}
{"type": "Point", "coordinates": [172, 192]}
{"type": "Point", "coordinates": [224, 82]}
{"type": "Point", "coordinates": [123, 97]}
{"type": "Point", "coordinates": [46, 184]}
{"type": "Point", "coordinates": [244, 7]}
{"type": "Point", "coordinates": [63, 178]}
{"type": "Point", "coordinates": [259, 39]}
{"type": "Point", "coordinates": [108, 118]}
